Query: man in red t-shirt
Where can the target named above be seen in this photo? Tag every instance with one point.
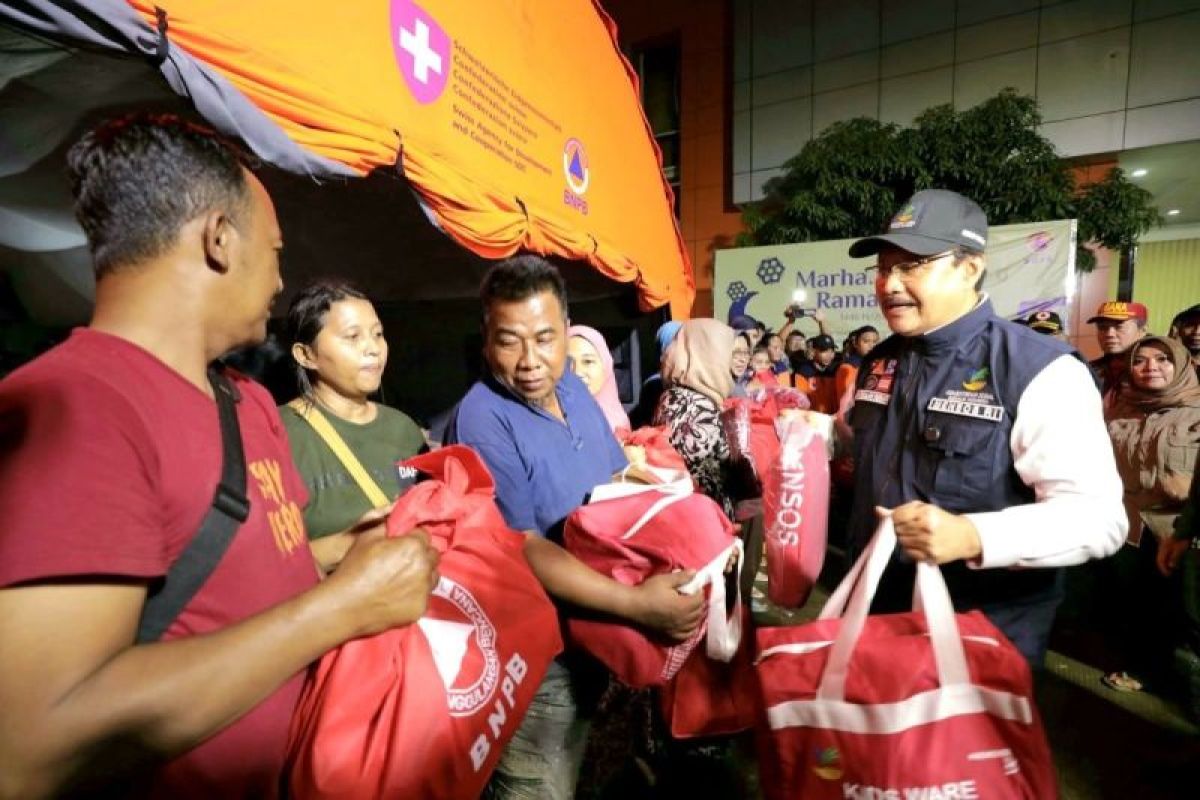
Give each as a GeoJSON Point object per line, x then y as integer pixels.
{"type": "Point", "coordinates": [110, 451]}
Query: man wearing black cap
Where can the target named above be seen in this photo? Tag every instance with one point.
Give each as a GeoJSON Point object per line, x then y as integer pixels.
{"type": "Point", "coordinates": [1186, 328]}
{"type": "Point", "coordinates": [820, 372]}
{"type": "Point", "coordinates": [1046, 322]}
{"type": "Point", "coordinates": [983, 440]}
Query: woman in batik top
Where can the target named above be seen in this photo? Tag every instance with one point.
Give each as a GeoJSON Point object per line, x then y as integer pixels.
{"type": "Point", "coordinates": [697, 375]}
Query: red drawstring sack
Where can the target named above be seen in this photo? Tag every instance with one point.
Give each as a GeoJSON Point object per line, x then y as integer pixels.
{"type": "Point", "coordinates": [426, 710]}
{"type": "Point", "coordinates": [710, 697]}
{"type": "Point", "coordinates": [647, 531]}
{"type": "Point", "coordinates": [921, 704]}
{"type": "Point", "coordinates": [655, 440]}
{"type": "Point", "coordinates": [796, 512]}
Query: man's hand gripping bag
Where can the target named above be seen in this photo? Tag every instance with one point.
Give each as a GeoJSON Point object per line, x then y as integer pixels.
{"type": "Point", "coordinates": [425, 710]}
{"type": "Point", "coordinates": [795, 512]}
{"type": "Point", "coordinates": [647, 531]}
{"type": "Point", "coordinates": [922, 704]}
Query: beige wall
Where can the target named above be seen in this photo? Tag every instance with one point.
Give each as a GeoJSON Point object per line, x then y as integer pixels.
{"type": "Point", "coordinates": [1167, 279]}
{"type": "Point", "coordinates": [1109, 74]}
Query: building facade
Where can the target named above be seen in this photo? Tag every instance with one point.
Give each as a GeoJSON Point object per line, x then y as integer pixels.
{"type": "Point", "coordinates": [1118, 83]}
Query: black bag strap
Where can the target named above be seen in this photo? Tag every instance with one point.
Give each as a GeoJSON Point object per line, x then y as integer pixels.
{"type": "Point", "coordinates": [230, 508]}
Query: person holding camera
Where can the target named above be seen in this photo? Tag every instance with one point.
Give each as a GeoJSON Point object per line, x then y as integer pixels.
{"type": "Point", "coordinates": [795, 312]}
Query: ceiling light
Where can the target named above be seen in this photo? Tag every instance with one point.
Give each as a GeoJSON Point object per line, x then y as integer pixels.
{"type": "Point", "coordinates": [1174, 212]}
{"type": "Point", "coordinates": [1139, 173]}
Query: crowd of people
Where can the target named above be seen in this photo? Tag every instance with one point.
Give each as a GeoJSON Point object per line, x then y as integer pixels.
{"type": "Point", "coordinates": [816, 366]}
{"type": "Point", "coordinates": [986, 442]}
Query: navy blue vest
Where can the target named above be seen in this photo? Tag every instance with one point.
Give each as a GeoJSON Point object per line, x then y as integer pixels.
{"type": "Point", "coordinates": [932, 421]}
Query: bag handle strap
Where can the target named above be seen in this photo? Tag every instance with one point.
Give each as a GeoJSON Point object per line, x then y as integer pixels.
{"type": "Point", "coordinates": [230, 508]}
{"type": "Point", "coordinates": [933, 598]}
{"type": "Point", "coordinates": [871, 562]}
{"type": "Point", "coordinates": [313, 416]}
{"type": "Point", "coordinates": [724, 631]}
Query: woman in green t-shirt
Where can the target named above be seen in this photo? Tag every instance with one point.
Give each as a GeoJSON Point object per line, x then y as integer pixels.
{"type": "Point", "coordinates": [339, 349]}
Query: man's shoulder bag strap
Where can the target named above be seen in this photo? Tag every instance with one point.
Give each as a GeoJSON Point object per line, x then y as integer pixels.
{"type": "Point", "coordinates": [313, 416]}
{"type": "Point", "coordinates": [230, 508]}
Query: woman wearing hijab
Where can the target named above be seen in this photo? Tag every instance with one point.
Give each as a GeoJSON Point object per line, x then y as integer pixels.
{"type": "Point", "coordinates": [593, 364]}
{"type": "Point", "coordinates": [1155, 428]}
{"type": "Point", "coordinates": [1154, 424]}
{"type": "Point", "coordinates": [697, 375]}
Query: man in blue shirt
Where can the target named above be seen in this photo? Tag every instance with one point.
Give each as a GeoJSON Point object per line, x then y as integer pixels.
{"type": "Point", "coordinates": [547, 444]}
{"type": "Point", "coordinates": [545, 458]}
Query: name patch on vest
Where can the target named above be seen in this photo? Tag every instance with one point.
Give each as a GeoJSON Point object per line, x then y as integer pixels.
{"type": "Point", "coordinates": [877, 388]}
{"type": "Point", "coordinates": [966, 408]}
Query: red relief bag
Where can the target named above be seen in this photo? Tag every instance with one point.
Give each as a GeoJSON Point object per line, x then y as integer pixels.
{"type": "Point", "coordinates": [709, 697]}
{"type": "Point", "coordinates": [656, 442]}
{"type": "Point", "coordinates": [923, 704]}
{"type": "Point", "coordinates": [426, 710]}
{"type": "Point", "coordinates": [632, 532]}
{"type": "Point", "coordinates": [749, 427]}
{"type": "Point", "coordinates": [796, 510]}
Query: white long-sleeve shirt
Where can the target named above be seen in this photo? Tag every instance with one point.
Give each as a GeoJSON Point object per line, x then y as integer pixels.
{"type": "Point", "coordinates": [1061, 450]}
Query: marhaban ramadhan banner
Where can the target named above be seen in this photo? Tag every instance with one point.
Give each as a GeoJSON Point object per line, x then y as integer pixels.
{"type": "Point", "coordinates": [1030, 267]}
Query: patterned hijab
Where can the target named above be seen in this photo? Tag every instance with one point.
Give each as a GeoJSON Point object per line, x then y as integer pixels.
{"type": "Point", "coordinates": [699, 358]}
{"type": "Point", "coordinates": [607, 398]}
{"type": "Point", "coordinates": [1183, 390]}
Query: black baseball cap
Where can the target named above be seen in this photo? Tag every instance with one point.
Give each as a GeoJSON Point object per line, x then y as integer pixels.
{"type": "Point", "coordinates": [1045, 322]}
{"type": "Point", "coordinates": [931, 222]}
{"type": "Point", "coordinates": [823, 342]}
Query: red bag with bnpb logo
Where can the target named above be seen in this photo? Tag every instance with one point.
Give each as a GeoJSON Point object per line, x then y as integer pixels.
{"type": "Point", "coordinates": [796, 512]}
{"type": "Point", "coordinates": [425, 710]}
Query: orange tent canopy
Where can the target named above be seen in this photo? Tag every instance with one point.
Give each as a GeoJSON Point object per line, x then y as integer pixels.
{"type": "Point", "coordinates": [518, 123]}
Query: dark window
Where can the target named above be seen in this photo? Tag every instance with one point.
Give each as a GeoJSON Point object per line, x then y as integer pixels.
{"type": "Point", "coordinates": [627, 362]}
{"type": "Point", "coordinates": [657, 67]}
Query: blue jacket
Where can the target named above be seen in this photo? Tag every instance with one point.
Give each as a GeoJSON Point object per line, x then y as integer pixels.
{"type": "Point", "coordinates": [932, 421]}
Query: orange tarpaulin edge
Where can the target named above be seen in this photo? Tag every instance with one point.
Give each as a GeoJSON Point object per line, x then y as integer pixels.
{"type": "Point", "coordinates": [473, 209]}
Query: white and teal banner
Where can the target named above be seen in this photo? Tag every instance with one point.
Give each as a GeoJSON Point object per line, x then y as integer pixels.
{"type": "Point", "coordinates": [1030, 267]}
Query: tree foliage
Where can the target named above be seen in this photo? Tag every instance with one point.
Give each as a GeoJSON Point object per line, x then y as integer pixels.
{"type": "Point", "coordinates": [848, 181]}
